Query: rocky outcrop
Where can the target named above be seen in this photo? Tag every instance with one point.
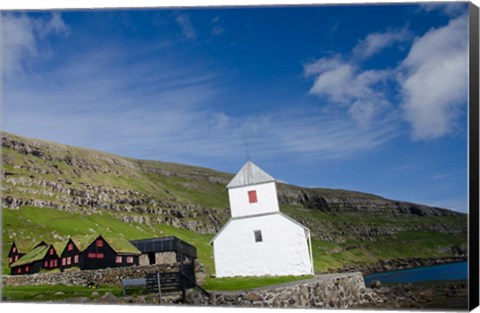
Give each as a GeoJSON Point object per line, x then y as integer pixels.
{"type": "Point", "coordinates": [347, 201]}
{"type": "Point", "coordinates": [439, 295]}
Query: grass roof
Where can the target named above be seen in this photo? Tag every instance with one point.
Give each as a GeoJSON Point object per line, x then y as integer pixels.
{"type": "Point", "coordinates": [82, 242]}
{"type": "Point", "coordinates": [119, 245]}
{"type": "Point", "coordinates": [24, 246]}
{"type": "Point", "coordinates": [36, 254]}
{"type": "Point", "coordinates": [122, 246]}
{"type": "Point", "coordinates": [60, 246]}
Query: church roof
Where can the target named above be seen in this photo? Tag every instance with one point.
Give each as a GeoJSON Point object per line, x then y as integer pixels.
{"type": "Point", "coordinates": [250, 174]}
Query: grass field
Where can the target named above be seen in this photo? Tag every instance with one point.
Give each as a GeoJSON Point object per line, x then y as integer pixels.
{"type": "Point", "coordinates": [54, 292]}
{"type": "Point", "coordinates": [34, 224]}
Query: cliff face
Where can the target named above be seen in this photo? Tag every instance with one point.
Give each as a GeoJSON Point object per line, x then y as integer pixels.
{"type": "Point", "coordinates": [48, 175]}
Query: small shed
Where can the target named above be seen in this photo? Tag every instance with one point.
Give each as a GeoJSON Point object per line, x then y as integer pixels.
{"type": "Point", "coordinates": [164, 250]}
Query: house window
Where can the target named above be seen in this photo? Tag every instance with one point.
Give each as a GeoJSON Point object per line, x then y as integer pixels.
{"type": "Point", "coordinates": [69, 260]}
{"type": "Point", "coordinates": [55, 263]}
{"type": "Point", "coordinates": [129, 259]}
{"type": "Point", "coordinates": [70, 246]}
{"type": "Point", "coordinates": [99, 243]}
{"type": "Point", "coordinates": [258, 235]}
{"type": "Point", "coordinates": [16, 258]}
{"type": "Point", "coordinates": [118, 259]}
{"type": "Point", "coordinates": [26, 269]}
{"type": "Point", "coordinates": [75, 259]}
{"type": "Point", "coordinates": [10, 260]}
{"type": "Point", "coordinates": [19, 270]}
{"type": "Point", "coordinates": [51, 251]}
{"type": "Point", "coordinates": [99, 255]}
{"type": "Point", "coordinates": [252, 196]}
{"type": "Point", "coordinates": [14, 249]}
{"type": "Point", "coordinates": [45, 264]}
{"type": "Point", "coordinates": [52, 263]}
{"type": "Point", "coordinates": [91, 255]}
{"type": "Point", "coordinates": [64, 261]}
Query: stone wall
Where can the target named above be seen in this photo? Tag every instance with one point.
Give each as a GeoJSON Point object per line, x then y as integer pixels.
{"type": "Point", "coordinates": [168, 257]}
{"type": "Point", "coordinates": [107, 276]}
{"type": "Point", "coordinates": [325, 291]}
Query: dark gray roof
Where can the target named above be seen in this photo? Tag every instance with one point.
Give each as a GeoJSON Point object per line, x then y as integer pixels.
{"type": "Point", "coordinates": [162, 244]}
{"type": "Point", "coordinates": [250, 174]}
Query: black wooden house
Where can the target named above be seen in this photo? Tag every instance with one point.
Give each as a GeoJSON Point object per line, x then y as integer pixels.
{"type": "Point", "coordinates": [101, 253]}
{"type": "Point", "coordinates": [18, 250]}
{"type": "Point", "coordinates": [40, 257]}
{"type": "Point", "coordinates": [87, 252]}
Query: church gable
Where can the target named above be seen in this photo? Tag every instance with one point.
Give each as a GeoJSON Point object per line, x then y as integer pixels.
{"type": "Point", "coordinates": [250, 174]}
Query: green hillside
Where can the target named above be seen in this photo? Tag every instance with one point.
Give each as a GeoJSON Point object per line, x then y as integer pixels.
{"type": "Point", "coordinates": [51, 191]}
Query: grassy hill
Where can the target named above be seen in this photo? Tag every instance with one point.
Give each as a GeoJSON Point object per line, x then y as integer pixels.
{"type": "Point", "coordinates": [52, 191]}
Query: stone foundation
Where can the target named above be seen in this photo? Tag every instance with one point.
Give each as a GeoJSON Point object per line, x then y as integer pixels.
{"type": "Point", "coordinates": [325, 291]}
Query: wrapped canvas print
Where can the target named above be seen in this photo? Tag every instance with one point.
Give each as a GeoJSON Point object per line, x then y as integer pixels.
{"type": "Point", "coordinates": [305, 156]}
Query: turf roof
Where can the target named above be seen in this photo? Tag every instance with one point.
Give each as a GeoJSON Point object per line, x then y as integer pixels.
{"type": "Point", "coordinates": [82, 242]}
{"type": "Point", "coordinates": [122, 246]}
{"type": "Point", "coordinates": [26, 246]}
{"type": "Point", "coordinates": [119, 245]}
{"type": "Point", "coordinates": [60, 246]}
{"type": "Point", "coordinates": [36, 254]}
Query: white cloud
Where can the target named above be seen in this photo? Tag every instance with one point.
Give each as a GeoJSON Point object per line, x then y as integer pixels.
{"type": "Point", "coordinates": [435, 80]}
{"type": "Point", "coordinates": [451, 9]}
{"type": "Point", "coordinates": [183, 20]}
{"type": "Point", "coordinates": [376, 42]}
{"type": "Point", "coordinates": [344, 84]}
{"type": "Point", "coordinates": [432, 80]}
{"type": "Point", "coordinates": [20, 37]}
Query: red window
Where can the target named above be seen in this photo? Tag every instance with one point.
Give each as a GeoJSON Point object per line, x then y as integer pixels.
{"type": "Point", "coordinates": [118, 259]}
{"type": "Point", "coordinates": [16, 258]}
{"type": "Point", "coordinates": [91, 255]}
{"type": "Point", "coordinates": [70, 247]}
{"type": "Point", "coordinates": [64, 261]}
{"type": "Point", "coordinates": [129, 259]}
{"type": "Point", "coordinates": [10, 260]}
{"type": "Point", "coordinates": [14, 249]}
{"type": "Point", "coordinates": [19, 270]}
{"type": "Point", "coordinates": [99, 255]}
{"type": "Point", "coordinates": [252, 196]}
{"type": "Point", "coordinates": [52, 263]}
{"type": "Point", "coordinates": [69, 260]}
{"type": "Point", "coordinates": [99, 243]}
{"type": "Point", "coordinates": [55, 263]}
{"type": "Point", "coordinates": [45, 264]}
{"type": "Point", "coordinates": [51, 251]}
{"type": "Point", "coordinates": [75, 259]}
{"type": "Point", "coordinates": [26, 269]}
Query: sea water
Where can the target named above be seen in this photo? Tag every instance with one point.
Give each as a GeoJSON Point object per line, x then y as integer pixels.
{"type": "Point", "coordinates": [451, 271]}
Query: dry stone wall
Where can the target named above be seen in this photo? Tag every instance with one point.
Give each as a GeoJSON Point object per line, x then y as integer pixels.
{"type": "Point", "coordinates": [107, 276]}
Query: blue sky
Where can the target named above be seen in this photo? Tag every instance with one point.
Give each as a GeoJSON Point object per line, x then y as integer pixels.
{"type": "Point", "coordinates": [369, 98]}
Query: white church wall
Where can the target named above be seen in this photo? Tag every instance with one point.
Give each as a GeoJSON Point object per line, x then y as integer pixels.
{"type": "Point", "coordinates": [284, 248]}
{"type": "Point", "coordinates": [266, 199]}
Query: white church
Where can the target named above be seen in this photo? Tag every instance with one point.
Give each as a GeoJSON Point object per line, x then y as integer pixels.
{"type": "Point", "coordinates": [258, 239]}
